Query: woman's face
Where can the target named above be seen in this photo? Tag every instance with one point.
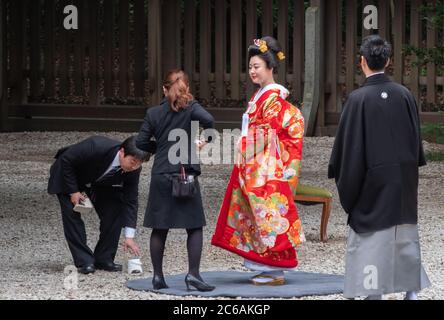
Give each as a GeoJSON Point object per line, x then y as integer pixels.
{"type": "Point", "coordinates": [259, 73]}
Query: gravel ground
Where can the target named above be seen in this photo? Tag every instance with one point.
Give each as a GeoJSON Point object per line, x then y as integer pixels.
{"type": "Point", "coordinates": [34, 253]}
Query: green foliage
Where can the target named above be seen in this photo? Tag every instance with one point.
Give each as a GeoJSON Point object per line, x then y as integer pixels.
{"type": "Point", "coordinates": [433, 14]}
{"type": "Point", "coordinates": [435, 156]}
{"type": "Point", "coordinates": [433, 132]}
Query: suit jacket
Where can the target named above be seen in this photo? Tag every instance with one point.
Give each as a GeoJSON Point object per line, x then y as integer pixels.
{"type": "Point", "coordinates": [376, 155]}
{"type": "Point", "coordinates": [160, 121]}
{"type": "Point", "coordinates": [83, 163]}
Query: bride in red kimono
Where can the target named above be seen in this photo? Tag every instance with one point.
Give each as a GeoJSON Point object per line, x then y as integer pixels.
{"type": "Point", "coordinates": [258, 219]}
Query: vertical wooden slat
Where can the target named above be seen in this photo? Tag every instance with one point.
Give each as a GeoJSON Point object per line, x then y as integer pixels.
{"type": "Point", "coordinates": [139, 63]}
{"type": "Point", "coordinates": [93, 53]}
{"type": "Point", "coordinates": [235, 34]}
{"type": "Point", "coordinates": [283, 39]}
{"type": "Point", "coordinates": [64, 38]}
{"type": "Point", "coordinates": [267, 18]}
{"type": "Point", "coordinates": [154, 50]}
{"type": "Point", "coordinates": [365, 32]}
{"type": "Point", "coordinates": [251, 33]}
{"type": "Point", "coordinates": [298, 48]}
{"type": "Point", "coordinates": [35, 50]}
{"type": "Point", "coordinates": [384, 19]}
{"type": "Point", "coordinates": [123, 47]}
{"type": "Point", "coordinates": [431, 67]}
{"type": "Point", "coordinates": [220, 48]}
{"type": "Point", "coordinates": [3, 64]}
{"type": "Point", "coordinates": [16, 53]}
{"type": "Point", "coordinates": [170, 47]}
{"type": "Point", "coordinates": [204, 35]}
{"type": "Point", "coordinates": [320, 118]}
{"type": "Point", "coordinates": [350, 46]}
{"type": "Point", "coordinates": [108, 54]}
{"type": "Point", "coordinates": [49, 60]}
{"type": "Point", "coordinates": [399, 38]}
{"type": "Point", "coordinates": [333, 65]}
{"type": "Point", "coordinates": [415, 40]}
{"type": "Point", "coordinates": [190, 41]}
{"type": "Point", "coordinates": [78, 52]}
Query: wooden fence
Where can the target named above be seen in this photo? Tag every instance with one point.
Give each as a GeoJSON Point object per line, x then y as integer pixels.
{"type": "Point", "coordinates": [107, 72]}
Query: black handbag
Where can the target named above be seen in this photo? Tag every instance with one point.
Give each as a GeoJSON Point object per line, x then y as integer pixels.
{"type": "Point", "coordinates": [183, 188]}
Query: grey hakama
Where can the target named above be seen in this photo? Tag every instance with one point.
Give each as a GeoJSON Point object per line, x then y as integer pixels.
{"type": "Point", "coordinates": [383, 262]}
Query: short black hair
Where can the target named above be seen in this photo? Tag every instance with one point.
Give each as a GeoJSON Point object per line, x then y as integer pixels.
{"type": "Point", "coordinates": [130, 149]}
{"type": "Point", "coordinates": [269, 56]}
{"type": "Point", "coordinates": [376, 51]}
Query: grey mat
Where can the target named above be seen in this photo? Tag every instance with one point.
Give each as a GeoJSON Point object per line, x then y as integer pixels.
{"type": "Point", "coordinates": [236, 284]}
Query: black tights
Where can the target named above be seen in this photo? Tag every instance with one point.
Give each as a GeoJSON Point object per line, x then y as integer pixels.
{"type": "Point", "coordinates": [194, 247]}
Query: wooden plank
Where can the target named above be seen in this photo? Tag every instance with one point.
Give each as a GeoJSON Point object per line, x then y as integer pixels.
{"type": "Point", "coordinates": [93, 53]}
{"type": "Point", "coordinates": [49, 49]}
{"type": "Point", "coordinates": [34, 64]}
{"type": "Point", "coordinates": [235, 35]}
{"type": "Point", "coordinates": [312, 69]}
{"type": "Point", "coordinates": [78, 51]}
{"type": "Point", "coordinates": [298, 48]}
{"type": "Point", "coordinates": [333, 118]}
{"type": "Point", "coordinates": [350, 46]}
{"type": "Point", "coordinates": [399, 39]}
{"type": "Point", "coordinates": [154, 46]}
{"type": "Point", "coordinates": [283, 39]}
{"type": "Point", "coordinates": [220, 47]}
{"type": "Point", "coordinates": [333, 56]}
{"type": "Point", "coordinates": [190, 41]}
{"type": "Point", "coordinates": [251, 33]}
{"type": "Point", "coordinates": [320, 117]}
{"type": "Point", "coordinates": [108, 53]}
{"type": "Point", "coordinates": [384, 18]}
{"type": "Point", "coordinates": [431, 67]}
{"type": "Point", "coordinates": [123, 47]}
{"type": "Point", "coordinates": [3, 65]}
{"type": "Point", "coordinates": [415, 40]}
{"type": "Point", "coordinates": [204, 65]}
{"type": "Point", "coordinates": [16, 52]}
{"type": "Point", "coordinates": [139, 48]}
{"type": "Point", "coordinates": [39, 110]}
{"type": "Point", "coordinates": [267, 18]}
{"type": "Point", "coordinates": [365, 32]}
{"type": "Point", "coordinates": [64, 40]}
{"type": "Point", "coordinates": [170, 47]}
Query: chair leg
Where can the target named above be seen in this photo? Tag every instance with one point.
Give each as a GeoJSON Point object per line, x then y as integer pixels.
{"type": "Point", "coordinates": [326, 208]}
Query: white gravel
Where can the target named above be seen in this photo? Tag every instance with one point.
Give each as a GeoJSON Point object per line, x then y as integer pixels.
{"type": "Point", "coordinates": [34, 253]}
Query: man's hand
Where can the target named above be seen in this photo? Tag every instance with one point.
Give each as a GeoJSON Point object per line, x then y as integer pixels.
{"type": "Point", "coordinates": [76, 197]}
{"type": "Point", "coordinates": [131, 245]}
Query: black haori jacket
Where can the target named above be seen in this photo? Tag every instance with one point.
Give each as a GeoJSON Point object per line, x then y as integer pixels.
{"type": "Point", "coordinates": [376, 155]}
{"type": "Point", "coordinates": [83, 163]}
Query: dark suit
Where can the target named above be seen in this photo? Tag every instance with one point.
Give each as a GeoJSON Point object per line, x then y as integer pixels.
{"type": "Point", "coordinates": [77, 169]}
{"type": "Point", "coordinates": [160, 121]}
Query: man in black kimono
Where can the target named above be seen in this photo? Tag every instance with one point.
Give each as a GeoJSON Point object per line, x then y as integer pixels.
{"type": "Point", "coordinates": [375, 160]}
{"type": "Point", "coordinates": [108, 172]}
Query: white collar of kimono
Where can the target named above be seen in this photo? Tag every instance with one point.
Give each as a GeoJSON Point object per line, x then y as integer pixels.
{"type": "Point", "coordinates": [374, 74]}
{"type": "Point", "coordinates": [283, 91]}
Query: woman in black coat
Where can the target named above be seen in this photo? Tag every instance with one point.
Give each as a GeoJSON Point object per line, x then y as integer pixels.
{"type": "Point", "coordinates": [171, 124]}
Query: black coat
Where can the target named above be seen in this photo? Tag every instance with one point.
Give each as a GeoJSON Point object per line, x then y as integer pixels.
{"type": "Point", "coordinates": [83, 163]}
{"type": "Point", "coordinates": [159, 122]}
{"type": "Point", "coordinates": [376, 155]}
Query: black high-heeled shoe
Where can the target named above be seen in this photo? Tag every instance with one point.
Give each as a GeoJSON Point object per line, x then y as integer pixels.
{"type": "Point", "coordinates": [198, 284]}
{"type": "Point", "coordinates": [159, 283]}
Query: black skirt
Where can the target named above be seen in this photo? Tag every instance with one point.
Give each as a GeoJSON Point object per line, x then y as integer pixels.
{"type": "Point", "coordinates": [165, 211]}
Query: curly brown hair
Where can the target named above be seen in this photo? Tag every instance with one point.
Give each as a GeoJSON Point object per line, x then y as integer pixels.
{"type": "Point", "coordinates": [177, 84]}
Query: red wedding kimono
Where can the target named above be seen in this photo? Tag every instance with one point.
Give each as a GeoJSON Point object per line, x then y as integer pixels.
{"type": "Point", "coordinates": [258, 218]}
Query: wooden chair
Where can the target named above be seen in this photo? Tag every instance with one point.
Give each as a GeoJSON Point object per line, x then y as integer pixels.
{"type": "Point", "coordinates": [308, 195]}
